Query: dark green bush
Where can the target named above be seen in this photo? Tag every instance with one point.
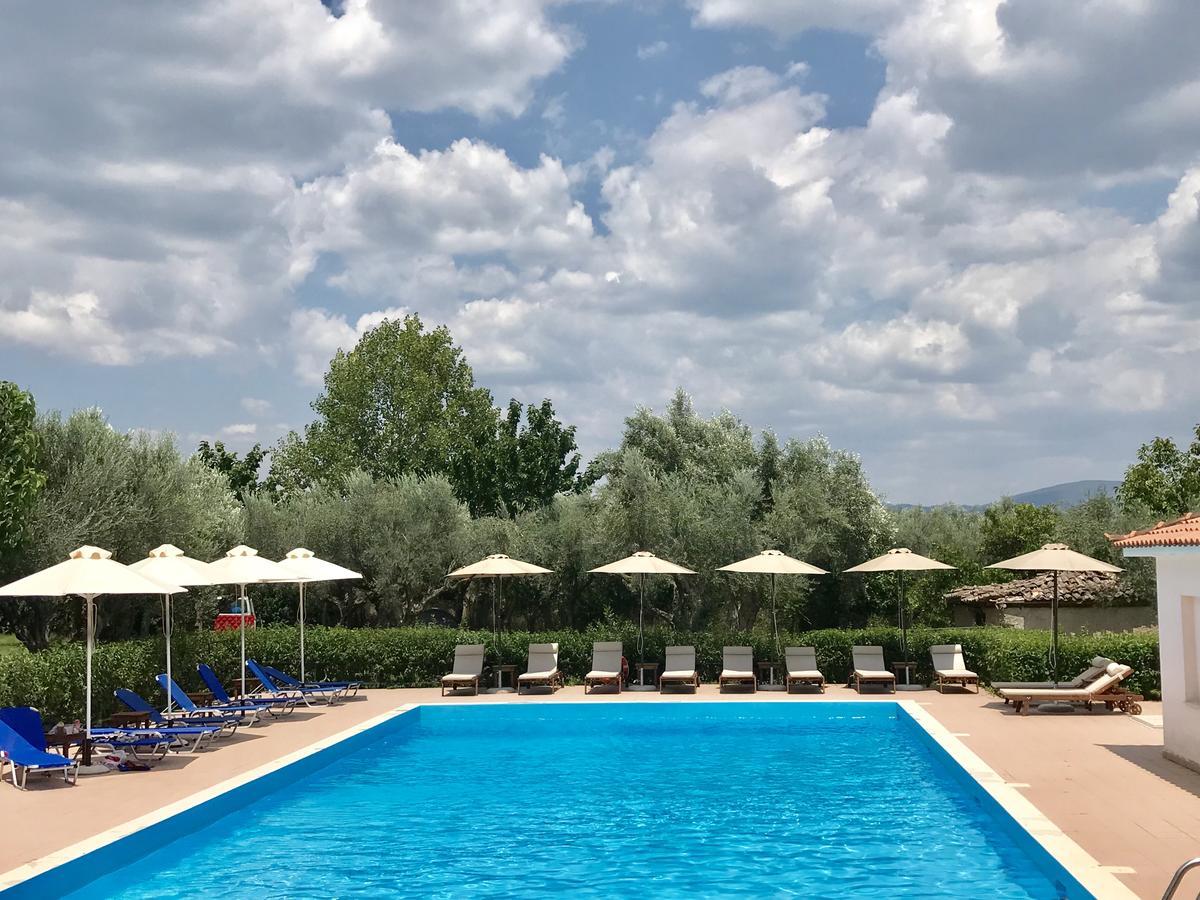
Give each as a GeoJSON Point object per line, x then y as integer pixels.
{"type": "Point", "coordinates": [416, 657]}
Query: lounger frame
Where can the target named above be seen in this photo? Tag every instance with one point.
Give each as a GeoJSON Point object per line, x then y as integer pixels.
{"type": "Point", "coordinates": [456, 680]}
{"type": "Point", "coordinates": [591, 679]}
{"type": "Point", "coordinates": [958, 675]}
{"type": "Point", "coordinates": [737, 679]}
{"type": "Point", "coordinates": [690, 679]}
{"type": "Point", "coordinates": [1106, 690]}
{"type": "Point", "coordinates": [809, 678]}
{"type": "Point", "coordinates": [870, 676]}
{"type": "Point", "coordinates": [552, 678]}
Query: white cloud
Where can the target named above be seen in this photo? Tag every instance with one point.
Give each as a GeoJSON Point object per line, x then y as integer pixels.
{"type": "Point", "coordinates": [256, 406]}
{"type": "Point", "coordinates": [240, 430]}
{"type": "Point", "coordinates": [653, 50]}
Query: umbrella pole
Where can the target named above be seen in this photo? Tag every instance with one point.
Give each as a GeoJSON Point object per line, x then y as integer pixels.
{"type": "Point", "coordinates": [303, 679]}
{"type": "Point", "coordinates": [498, 610]}
{"type": "Point", "coordinates": [903, 621]}
{"type": "Point", "coordinates": [90, 606]}
{"type": "Point", "coordinates": [242, 629]}
{"type": "Point", "coordinates": [774, 616]}
{"type": "Point", "coordinates": [167, 635]}
{"type": "Point", "coordinates": [641, 615]}
{"type": "Point", "coordinates": [1054, 632]}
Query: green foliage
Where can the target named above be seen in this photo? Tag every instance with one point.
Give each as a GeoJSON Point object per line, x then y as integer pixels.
{"type": "Point", "coordinates": [404, 402]}
{"type": "Point", "coordinates": [1010, 529]}
{"type": "Point", "coordinates": [1165, 480]}
{"type": "Point", "coordinates": [21, 479]}
{"type": "Point", "coordinates": [52, 680]}
{"type": "Point", "coordinates": [241, 473]}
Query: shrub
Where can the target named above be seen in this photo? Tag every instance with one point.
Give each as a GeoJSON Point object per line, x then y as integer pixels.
{"type": "Point", "coordinates": [52, 680]}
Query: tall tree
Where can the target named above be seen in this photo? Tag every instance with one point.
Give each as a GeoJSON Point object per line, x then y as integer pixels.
{"type": "Point", "coordinates": [1165, 479]}
{"type": "Point", "coordinates": [21, 478]}
{"type": "Point", "coordinates": [1010, 529]}
{"type": "Point", "coordinates": [242, 473]}
{"type": "Point", "coordinates": [537, 459]}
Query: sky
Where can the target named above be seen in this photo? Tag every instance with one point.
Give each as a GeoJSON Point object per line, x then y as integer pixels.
{"type": "Point", "coordinates": [958, 237]}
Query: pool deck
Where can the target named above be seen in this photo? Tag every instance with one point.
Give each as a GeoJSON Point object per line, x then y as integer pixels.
{"type": "Point", "coordinates": [1099, 777]}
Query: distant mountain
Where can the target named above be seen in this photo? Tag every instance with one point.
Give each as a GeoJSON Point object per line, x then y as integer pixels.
{"type": "Point", "coordinates": [1067, 495]}
{"type": "Point", "coordinates": [1063, 496]}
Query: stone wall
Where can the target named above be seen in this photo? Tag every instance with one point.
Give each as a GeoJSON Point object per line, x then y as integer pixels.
{"type": "Point", "coordinates": [1071, 619]}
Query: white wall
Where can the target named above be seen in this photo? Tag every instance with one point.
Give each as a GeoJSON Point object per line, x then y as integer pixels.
{"type": "Point", "coordinates": [1178, 576]}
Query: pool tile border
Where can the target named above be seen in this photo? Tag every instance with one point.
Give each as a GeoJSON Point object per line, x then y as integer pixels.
{"type": "Point", "coordinates": [23, 873]}
{"type": "Point", "coordinates": [1099, 880]}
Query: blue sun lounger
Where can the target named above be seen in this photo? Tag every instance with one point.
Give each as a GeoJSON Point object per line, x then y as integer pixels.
{"type": "Point", "coordinates": [140, 704]}
{"type": "Point", "coordinates": [246, 711]}
{"type": "Point", "coordinates": [342, 688]}
{"type": "Point", "coordinates": [269, 685]}
{"type": "Point", "coordinates": [275, 705]}
{"type": "Point", "coordinates": [27, 722]}
{"type": "Point", "coordinates": [23, 757]}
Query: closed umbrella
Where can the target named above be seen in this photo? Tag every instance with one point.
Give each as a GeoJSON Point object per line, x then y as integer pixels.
{"type": "Point", "coordinates": [242, 566]}
{"type": "Point", "coordinates": [496, 566]}
{"type": "Point", "coordinates": [900, 560]}
{"type": "Point", "coordinates": [642, 563]}
{"type": "Point", "coordinates": [1055, 558]}
{"type": "Point", "coordinates": [773, 563]}
{"type": "Point", "coordinates": [168, 564]}
{"type": "Point", "coordinates": [306, 566]}
{"type": "Point", "coordinates": [89, 573]}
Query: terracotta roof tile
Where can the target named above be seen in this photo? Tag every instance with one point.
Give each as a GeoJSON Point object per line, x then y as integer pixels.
{"type": "Point", "coordinates": [1074, 589]}
{"type": "Point", "coordinates": [1182, 532]}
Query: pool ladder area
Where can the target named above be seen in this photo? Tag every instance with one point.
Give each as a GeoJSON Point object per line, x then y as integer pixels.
{"type": "Point", "coordinates": [1177, 878]}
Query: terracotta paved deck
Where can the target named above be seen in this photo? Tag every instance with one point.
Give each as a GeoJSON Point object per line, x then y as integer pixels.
{"type": "Point", "coordinates": [1100, 777]}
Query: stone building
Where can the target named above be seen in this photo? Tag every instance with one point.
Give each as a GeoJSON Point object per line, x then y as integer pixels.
{"type": "Point", "coordinates": [1087, 601]}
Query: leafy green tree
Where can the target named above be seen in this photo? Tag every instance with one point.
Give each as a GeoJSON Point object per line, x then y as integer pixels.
{"type": "Point", "coordinates": [950, 534]}
{"type": "Point", "coordinates": [1010, 529]}
{"type": "Point", "coordinates": [1165, 479]}
{"type": "Point", "coordinates": [242, 473]}
{"type": "Point", "coordinates": [537, 458]}
{"type": "Point", "coordinates": [21, 479]}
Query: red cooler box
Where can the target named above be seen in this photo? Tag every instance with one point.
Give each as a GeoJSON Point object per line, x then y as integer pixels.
{"type": "Point", "coordinates": [232, 621]}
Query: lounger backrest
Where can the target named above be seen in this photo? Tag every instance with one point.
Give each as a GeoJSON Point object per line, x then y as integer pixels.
{"type": "Point", "coordinates": [1113, 675]}
{"type": "Point", "coordinates": [468, 659]}
{"type": "Point", "coordinates": [543, 657]}
{"type": "Point", "coordinates": [801, 659]}
{"type": "Point", "coordinates": [869, 659]}
{"type": "Point", "coordinates": [738, 659]}
{"type": "Point", "coordinates": [606, 656]}
{"type": "Point", "coordinates": [213, 683]}
{"type": "Point", "coordinates": [172, 689]}
{"type": "Point", "coordinates": [282, 677]}
{"type": "Point", "coordinates": [263, 678]}
{"type": "Point", "coordinates": [13, 746]}
{"type": "Point", "coordinates": [137, 703]}
{"type": "Point", "coordinates": [27, 722]}
{"type": "Point", "coordinates": [681, 659]}
{"type": "Point", "coordinates": [947, 657]}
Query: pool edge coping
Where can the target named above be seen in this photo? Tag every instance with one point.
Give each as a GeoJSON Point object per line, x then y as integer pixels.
{"type": "Point", "coordinates": [1084, 867]}
{"type": "Point", "coordinates": [1081, 865]}
{"type": "Point", "coordinates": [40, 866]}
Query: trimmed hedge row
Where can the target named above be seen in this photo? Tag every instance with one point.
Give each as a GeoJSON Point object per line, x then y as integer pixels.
{"type": "Point", "coordinates": [416, 657]}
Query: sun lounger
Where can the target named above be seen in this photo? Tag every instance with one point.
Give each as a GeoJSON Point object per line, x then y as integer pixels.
{"type": "Point", "coordinates": [23, 748]}
{"type": "Point", "coordinates": [737, 668]}
{"type": "Point", "coordinates": [680, 668]}
{"type": "Point", "coordinates": [27, 722]}
{"type": "Point", "coordinates": [273, 689]}
{"type": "Point", "coordinates": [869, 668]}
{"type": "Point", "coordinates": [138, 703]}
{"type": "Point", "coordinates": [1098, 667]}
{"type": "Point", "coordinates": [248, 712]}
{"type": "Point", "coordinates": [467, 669]}
{"type": "Point", "coordinates": [606, 665]}
{"type": "Point", "coordinates": [801, 663]}
{"type": "Point", "coordinates": [949, 667]}
{"type": "Point", "coordinates": [1106, 689]}
{"type": "Point", "coordinates": [341, 688]}
{"type": "Point", "coordinates": [275, 705]}
{"type": "Point", "coordinates": [543, 668]}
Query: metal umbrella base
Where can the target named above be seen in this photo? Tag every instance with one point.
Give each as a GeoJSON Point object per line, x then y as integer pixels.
{"type": "Point", "coordinates": [910, 687]}
{"type": "Point", "coordinates": [1056, 708]}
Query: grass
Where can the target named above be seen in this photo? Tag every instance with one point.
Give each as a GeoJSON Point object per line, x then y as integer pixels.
{"type": "Point", "coordinates": [9, 645]}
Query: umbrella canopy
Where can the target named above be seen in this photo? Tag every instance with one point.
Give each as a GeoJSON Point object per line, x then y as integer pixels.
{"type": "Point", "coordinates": [497, 565]}
{"type": "Point", "coordinates": [167, 563]}
{"type": "Point", "coordinates": [773, 562]}
{"type": "Point", "coordinates": [642, 563]}
{"type": "Point", "coordinates": [88, 573]}
{"type": "Point", "coordinates": [305, 566]}
{"type": "Point", "coordinates": [242, 566]}
{"type": "Point", "coordinates": [1055, 558]}
{"type": "Point", "coordinates": [900, 559]}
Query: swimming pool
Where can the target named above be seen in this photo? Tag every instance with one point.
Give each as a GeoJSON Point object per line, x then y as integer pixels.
{"type": "Point", "coordinates": [599, 800]}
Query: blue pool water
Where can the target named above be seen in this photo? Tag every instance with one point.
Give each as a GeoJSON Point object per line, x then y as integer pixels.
{"type": "Point", "coordinates": [604, 800]}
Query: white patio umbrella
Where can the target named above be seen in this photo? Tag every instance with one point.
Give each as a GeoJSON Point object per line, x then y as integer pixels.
{"type": "Point", "coordinates": [167, 563]}
{"type": "Point", "coordinates": [900, 560]}
{"type": "Point", "coordinates": [242, 566]}
{"type": "Point", "coordinates": [773, 563]}
{"type": "Point", "coordinates": [642, 563]}
{"type": "Point", "coordinates": [1055, 558]}
{"type": "Point", "coordinates": [88, 573]}
{"type": "Point", "coordinates": [496, 566]}
{"type": "Point", "coordinates": [306, 566]}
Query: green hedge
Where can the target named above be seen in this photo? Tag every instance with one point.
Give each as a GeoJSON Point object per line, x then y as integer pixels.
{"type": "Point", "coordinates": [416, 657]}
